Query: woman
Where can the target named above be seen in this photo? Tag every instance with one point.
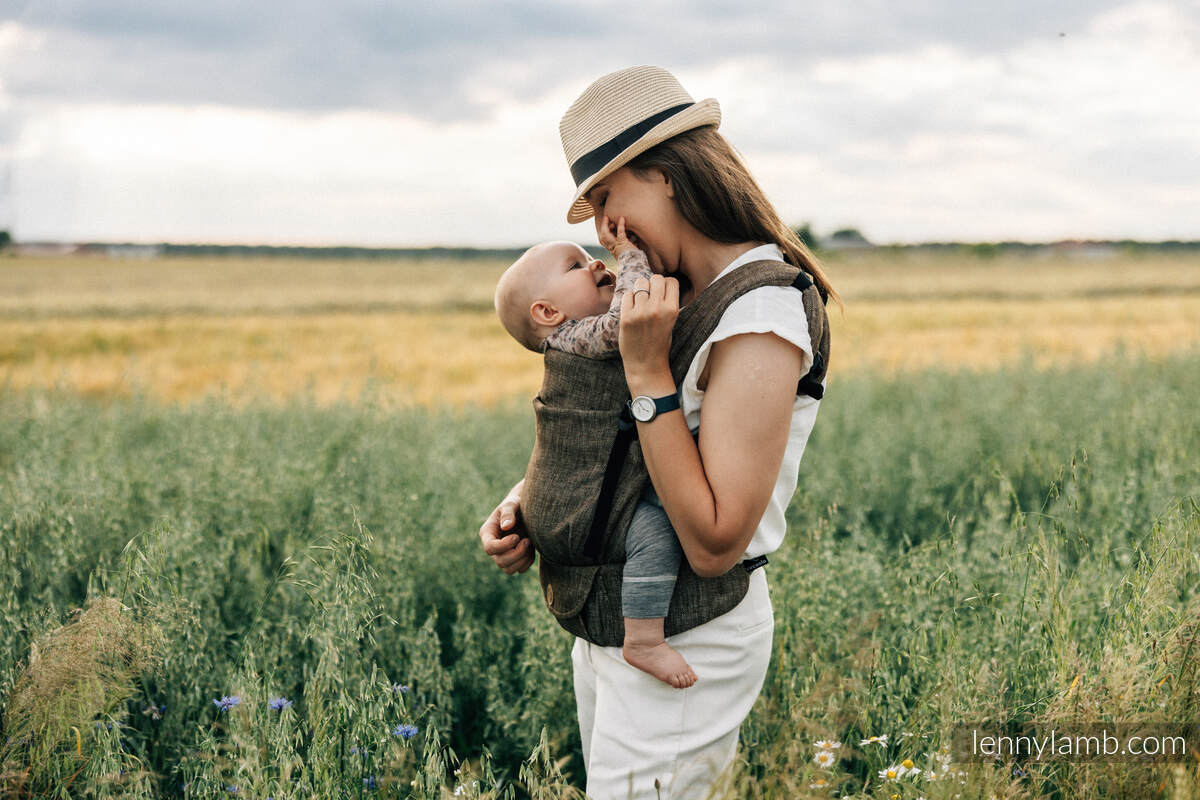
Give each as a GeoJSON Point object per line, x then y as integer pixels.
{"type": "Point", "coordinates": [641, 149]}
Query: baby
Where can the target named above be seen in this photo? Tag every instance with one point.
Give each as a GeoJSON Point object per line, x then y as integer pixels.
{"type": "Point", "coordinates": [555, 296]}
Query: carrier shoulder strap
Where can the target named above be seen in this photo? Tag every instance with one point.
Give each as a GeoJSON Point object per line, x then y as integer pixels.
{"type": "Point", "coordinates": [699, 318]}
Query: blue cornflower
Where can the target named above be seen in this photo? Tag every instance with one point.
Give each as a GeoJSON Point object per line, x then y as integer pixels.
{"type": "Point", "coordinates": [369, 782]}
{"type": "Point", "coordinates": [227, 702]}
{"type": "Point", "coordinates": [399, 688]}
{"type": "Point", "coordinates": [405, 731]}
{"type": "Point", "coordinates": [356, 750]}
{"type": "Point", "coordinates": [279, 703]}
{"type": "Point", "coordinates": [232, 789]}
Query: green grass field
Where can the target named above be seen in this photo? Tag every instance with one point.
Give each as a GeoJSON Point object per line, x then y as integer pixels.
{"type": "Point", "coordinates": [263, 480]}
{"type": "Point", "coordinates": [1013, 545]}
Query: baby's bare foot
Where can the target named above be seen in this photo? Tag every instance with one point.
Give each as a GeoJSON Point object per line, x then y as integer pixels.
{"type": "Point", "coordinates": [660, 660]}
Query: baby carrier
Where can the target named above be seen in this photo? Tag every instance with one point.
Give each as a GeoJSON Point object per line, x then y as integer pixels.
{"type": "Point", "coordinates": [587, 471]}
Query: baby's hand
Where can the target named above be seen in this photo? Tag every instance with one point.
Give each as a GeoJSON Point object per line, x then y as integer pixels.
{"type": "Point", "coordinates": [613, 237]}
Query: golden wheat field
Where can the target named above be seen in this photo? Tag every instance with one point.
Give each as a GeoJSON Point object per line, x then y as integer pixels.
{"type": "Point", "coordinates": [423, 331]}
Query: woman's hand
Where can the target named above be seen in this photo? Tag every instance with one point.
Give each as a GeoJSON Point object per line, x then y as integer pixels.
{"type": "Point", "coordinates": [648, 314]}
{"type": "Point", "coordinates": [612, 237]}
{"type": "Point", "coordinates": [503, 539]}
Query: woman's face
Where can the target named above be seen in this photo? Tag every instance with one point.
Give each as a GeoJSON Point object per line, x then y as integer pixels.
{"type": "Point", "coordinates": [652, 222]}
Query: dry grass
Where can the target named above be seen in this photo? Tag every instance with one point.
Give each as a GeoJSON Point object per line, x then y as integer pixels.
{"type": "Point", "coordinates": [81, 671]}
{"type": "Point", "coordinates": [94, 286]}
{"type": "Point", "coordinates": [423, 332]}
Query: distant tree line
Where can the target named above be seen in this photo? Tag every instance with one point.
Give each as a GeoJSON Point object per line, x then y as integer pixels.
{"type": "Point", "coordinates": [332, 252]}
{"type": "Point", "coordinates": [842, 238]}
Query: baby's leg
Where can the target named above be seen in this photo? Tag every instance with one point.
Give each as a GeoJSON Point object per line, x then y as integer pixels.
{"type": "Point", "coordinates": [652, 556]}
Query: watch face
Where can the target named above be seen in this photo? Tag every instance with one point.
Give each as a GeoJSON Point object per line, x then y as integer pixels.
{"type": "Point", "coordinates": [643, 408]}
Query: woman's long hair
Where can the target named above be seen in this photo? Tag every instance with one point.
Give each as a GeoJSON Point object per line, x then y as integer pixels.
{"type": "Point", "coordinates": [718, 196]}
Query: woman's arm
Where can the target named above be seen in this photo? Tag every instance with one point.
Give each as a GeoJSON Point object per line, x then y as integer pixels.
{"type": "Point", "coordinates": [715, 495]}
{"type": "Point", "coordinates": [512, 552]}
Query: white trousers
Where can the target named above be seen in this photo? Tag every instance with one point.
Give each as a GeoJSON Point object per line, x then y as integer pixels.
{"type": "Point", "coordinates": [638, 731]}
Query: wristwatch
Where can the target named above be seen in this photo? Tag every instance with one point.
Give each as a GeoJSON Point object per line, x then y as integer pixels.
{"type": "Point", "coordinates": [646, 408]}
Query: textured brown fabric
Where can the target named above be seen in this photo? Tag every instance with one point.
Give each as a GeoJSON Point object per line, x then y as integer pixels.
{"type": "Point", "coordinates": [576, 421]}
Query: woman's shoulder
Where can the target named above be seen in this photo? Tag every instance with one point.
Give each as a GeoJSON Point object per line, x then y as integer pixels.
{"type": "Point", "coordinates": [766, 309]}
{"type": "Point", "coordinates": [777, 310]}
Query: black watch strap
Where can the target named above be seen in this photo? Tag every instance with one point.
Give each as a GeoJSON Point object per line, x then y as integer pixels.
{"type": "Point", "coordinates": [664, 404]}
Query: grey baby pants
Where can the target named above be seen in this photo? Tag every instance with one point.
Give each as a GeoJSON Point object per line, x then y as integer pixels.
{"type": "Point", "coordinates": [652, 554]}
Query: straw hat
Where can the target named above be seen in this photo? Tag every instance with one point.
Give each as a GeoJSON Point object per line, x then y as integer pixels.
{"type": "Point", "coordinates": [620, 116]}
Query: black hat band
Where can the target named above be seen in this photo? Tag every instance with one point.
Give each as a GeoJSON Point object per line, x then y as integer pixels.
{"type": "Point", "coordinates": [590, 162]}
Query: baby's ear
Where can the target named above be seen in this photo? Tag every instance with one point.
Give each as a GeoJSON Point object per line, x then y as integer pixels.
{"type": "Point", "coordinates": [545, 314]}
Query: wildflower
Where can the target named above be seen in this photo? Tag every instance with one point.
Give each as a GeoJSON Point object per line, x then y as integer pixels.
{"type": "Point", "coordinates": [880, 740]}
{"type": "Point", "coordinates": [369, 782]}
{"type": "Point", "coordinates": [356, 750]}
{"type": "Point", "coordinates": [819, 783]}
{"type": "Point", "coordinates": [279, 703]}
{"type": "Point", "coordinates": [827, 745]}
{"type": "Point", "coordinates": [1018, 772]}
{"type": "Point", "coordinates": [825, 758]}
{"type": "Point", "coordinates": [893, 773]}
{"type": "Point", "coordinates": [227, 702]}
{"type": "Point", "coordinates": [907, 764]}
{"type": "Point", "coordinates": [399, 688]}
{"type": "Point", "coordinates": [153, 711]}
{"type": "Point", "coordinates": [905, 735]}
{"type": "Point", "coordinates": [232, 789]}
{"type": "Point", "coordinates": [405, 731]}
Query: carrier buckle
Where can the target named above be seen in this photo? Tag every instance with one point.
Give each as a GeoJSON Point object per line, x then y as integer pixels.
{"type": "Point", "coordinates": [751, 564]}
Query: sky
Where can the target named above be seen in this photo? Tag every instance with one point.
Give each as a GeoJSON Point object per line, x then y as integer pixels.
{"type": "Point", "coordinates": [384, 123]}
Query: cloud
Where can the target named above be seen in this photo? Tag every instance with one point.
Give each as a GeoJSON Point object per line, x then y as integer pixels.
{"type": "Point", "coordinates": [460, 60]}
{"type": "Point", "coordinates": [426, 124]}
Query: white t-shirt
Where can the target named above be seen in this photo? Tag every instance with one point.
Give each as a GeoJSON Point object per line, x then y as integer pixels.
{"type": "Point", "coordinates": [778, 310]}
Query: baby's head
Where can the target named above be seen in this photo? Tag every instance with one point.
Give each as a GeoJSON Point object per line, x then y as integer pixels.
{"type": "Point", "coordinates": [549, 284]}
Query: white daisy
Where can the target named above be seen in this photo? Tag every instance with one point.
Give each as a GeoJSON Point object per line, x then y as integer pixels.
{"type": "Point", "coordinates": [825, 758]}
{"type": "Point", "coordinates": [824, 744]}
{"type": "Point", "coordinates": [892, 773]}
{"type": "Point", "coordinates": [879, 740]}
